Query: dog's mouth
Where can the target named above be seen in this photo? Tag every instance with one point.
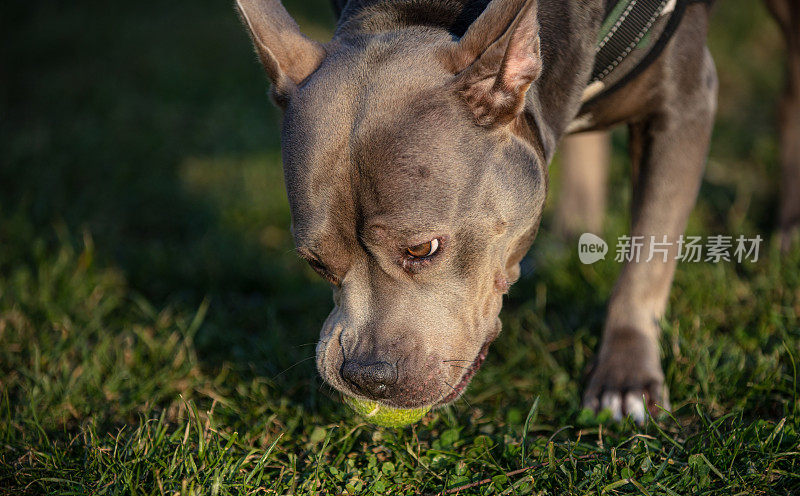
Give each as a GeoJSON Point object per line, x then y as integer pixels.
{"type": "Point", "coordinates": [471, 370]}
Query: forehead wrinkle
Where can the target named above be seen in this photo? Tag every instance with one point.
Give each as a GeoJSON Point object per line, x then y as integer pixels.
{"type": "Point", "coordinates": [316, 187]}
{"type": "Point", "coordinates": [409, 158]}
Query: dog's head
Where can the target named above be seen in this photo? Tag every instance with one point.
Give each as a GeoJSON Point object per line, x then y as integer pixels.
{"type": "Point", "coordinates": [414, 188]}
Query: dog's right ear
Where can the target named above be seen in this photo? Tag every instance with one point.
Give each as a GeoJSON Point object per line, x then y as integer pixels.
{"type": "Point", "coordinates": [497, 60]}
{"type": "Point", "coordinates": [288, 56]}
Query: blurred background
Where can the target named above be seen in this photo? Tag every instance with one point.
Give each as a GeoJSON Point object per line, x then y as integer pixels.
{"type": "Point", "coordinates": [137, 142]}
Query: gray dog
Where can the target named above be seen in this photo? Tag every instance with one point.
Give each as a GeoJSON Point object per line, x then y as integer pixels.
{"type": "Point", "coordinates": [416, 145]}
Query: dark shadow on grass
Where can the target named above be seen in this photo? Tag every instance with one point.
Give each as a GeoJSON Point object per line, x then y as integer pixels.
{"type": "Point", "coordinates": [147, 124]}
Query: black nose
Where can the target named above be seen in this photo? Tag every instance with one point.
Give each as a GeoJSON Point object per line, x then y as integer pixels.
{"type": "Point", "coordinates": [371, 379]}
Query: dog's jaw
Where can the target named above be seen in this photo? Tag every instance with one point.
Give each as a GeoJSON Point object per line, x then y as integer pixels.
{"type": "Point", "coordinates": [470, 371]}
{"type": "Point", "coordinates": [458, 389]}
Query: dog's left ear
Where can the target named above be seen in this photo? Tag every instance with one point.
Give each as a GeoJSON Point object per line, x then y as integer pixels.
{"type": "Point", "coordinates": [288, 56]}
{"type": "Point", "coordinates": [497, 59]}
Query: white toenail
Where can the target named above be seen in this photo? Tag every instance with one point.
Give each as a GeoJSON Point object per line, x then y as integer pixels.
{"type": "Point", "coordinates": [613, 402]}
{"type": "Point", "coordinates": [634, 405]}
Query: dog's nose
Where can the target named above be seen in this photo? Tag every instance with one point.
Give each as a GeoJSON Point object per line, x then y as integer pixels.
{"type": "Point", "coordinates": [371, 379]}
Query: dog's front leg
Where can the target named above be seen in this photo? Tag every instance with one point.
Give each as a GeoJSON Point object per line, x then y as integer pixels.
{"type": "Point", "coordinates": [668, 151]}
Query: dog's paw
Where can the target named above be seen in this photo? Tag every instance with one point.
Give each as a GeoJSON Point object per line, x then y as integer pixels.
{"type": "Point", "coordinates": [627, 378]}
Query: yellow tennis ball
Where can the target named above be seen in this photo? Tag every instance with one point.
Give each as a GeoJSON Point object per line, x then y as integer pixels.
{"type": "Point", "coordinates": [386, 416]}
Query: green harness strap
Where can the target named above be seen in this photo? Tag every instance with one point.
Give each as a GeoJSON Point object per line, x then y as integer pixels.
{"type": "Point", "coordinates": [632, 36]}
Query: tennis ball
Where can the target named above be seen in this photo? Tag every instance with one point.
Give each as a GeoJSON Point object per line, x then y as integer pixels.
{"type": "Point", "coordinates": [386, 416]}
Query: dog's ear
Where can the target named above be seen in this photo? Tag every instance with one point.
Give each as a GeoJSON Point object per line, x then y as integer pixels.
{"type": "Point", "coordinates": [288, 56]}
{"type": "Point", "coordinates": [497, 59]}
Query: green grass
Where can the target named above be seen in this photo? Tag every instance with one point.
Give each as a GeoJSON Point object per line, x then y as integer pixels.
{"type": "Point", "coordinates": [157, 332]}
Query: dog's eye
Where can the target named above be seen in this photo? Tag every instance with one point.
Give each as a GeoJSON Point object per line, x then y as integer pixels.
{"type": "Point", "coordinates": [423, 250]}
{"type": "Point", "coordinates": [323, 271]}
